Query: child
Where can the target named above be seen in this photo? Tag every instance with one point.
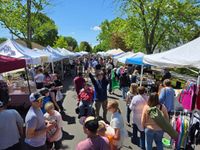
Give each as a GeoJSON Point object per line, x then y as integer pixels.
{"type": "Point", "coordinates": [130, 94]}
{"type": "Point", "coordinates": [47, 98]}
{"type": "Point", "coordinates": [117, 124]}
{"type": "Point", "coordinates": [54, 136]}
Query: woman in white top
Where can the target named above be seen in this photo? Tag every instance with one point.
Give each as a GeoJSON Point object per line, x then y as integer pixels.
{"type": "Point", "coordinates": [39, 79]}
{"type": "Point", "coordinates": [117, 124]}
{"type": "Point", "coordinates": [130, 94]}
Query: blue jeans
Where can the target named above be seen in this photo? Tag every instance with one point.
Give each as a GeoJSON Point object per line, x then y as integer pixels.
{"type": "Point", "coordinates": [85, 105]}
{"type": "Point", "coordinates": [139, 141]}
{"type": "Point", "coordinates": [124, 92]}
{"type": "Point", "coordinates": [151, 135]}
{"type": "Point", "coordinates": [128, 113]}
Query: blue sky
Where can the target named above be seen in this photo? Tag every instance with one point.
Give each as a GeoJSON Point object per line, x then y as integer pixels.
{"type": "Point", "coordinates": [78, 18]}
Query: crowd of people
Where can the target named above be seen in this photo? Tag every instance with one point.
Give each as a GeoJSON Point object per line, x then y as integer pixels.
{"type": "Point", "coordinates": [95, 78]}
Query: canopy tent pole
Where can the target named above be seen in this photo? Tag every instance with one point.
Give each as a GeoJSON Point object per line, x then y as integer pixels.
{"type": "Point", "coordinates": [141, 75]}
{"type": "Point", "coordinates": [29, 88]}
{"type": "Point", "coordinates": [62, 69]}
{"type": "Point", "coordinates": [52, 66]}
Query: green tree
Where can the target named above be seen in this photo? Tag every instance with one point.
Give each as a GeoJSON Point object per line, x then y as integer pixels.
{"type": "Point", "coordinates": [61, 42]}
{"type": "Point", "coordinates": [2, 40]}
{"type": "Point", "coordinates": [85, 46]}
{"type": "Point", "coordinates": [46, 33]}
{"type": "Point", "coordinates": [71, 42]}
{"type": "Point", "coordinates": [162, 24]}
{"type": "Point", "coordinates": [118, 33]}
{"type": "Point", "coordinates": [21, 18]}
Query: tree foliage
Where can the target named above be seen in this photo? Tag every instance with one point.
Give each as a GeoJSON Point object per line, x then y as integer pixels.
{"type": "Point", "coordinates": [85, 46]}
{"type": "Point", "coordinates": [155, 24]}
{"type": "Point", "coordinates": [60, 42]}
{"type": "Point", "coordinates": [2, 40]}
{"type": "Point", "coordinates": [46, 33]}
{"type": "Point", "coordinates": [15, 16]}
{"type": "Point", "coordinates": [71, 42]}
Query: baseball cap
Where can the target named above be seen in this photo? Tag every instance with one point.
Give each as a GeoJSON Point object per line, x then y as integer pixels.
{"type": "Point", "coordinates": [35, 96]}
{"type": "Point", "coordinates": [1, 104]}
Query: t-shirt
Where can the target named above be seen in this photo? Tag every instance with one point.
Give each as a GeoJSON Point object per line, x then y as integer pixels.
{"type": "Point", "coordinates": [35, 119]}
{"type": "Point", "coordinates": [9, 133]}
{"type": "Point", "coordinates": [118, 122]}
{"type": "Point", "coordinates": [58, 119]}
{"type": "Point", "coordinates": [96, 143]}
{"type": "Point", "coordinates": [79, 83]}
{"type": "Point", "coordinates": [39, 78]}
{"type": "Point", "coordinates": [137, 105]}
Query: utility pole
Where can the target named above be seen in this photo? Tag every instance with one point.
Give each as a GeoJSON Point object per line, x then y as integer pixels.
{"type": "Point", "coordinates": [29, 34]}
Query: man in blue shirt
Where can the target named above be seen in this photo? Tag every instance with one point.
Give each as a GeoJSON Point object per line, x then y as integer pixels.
{"type": "Point", "coordinates": [166, 96]}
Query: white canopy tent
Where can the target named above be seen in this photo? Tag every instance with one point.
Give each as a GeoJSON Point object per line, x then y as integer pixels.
{"type": "Point", "coordinates": [66, 52]}
{"type": "Point", "coordinates": [114, 52]}
{"type": "Point", "coordinates": [103, 54]}
{"type": "Point", "coordinates": [123, 57]}
{"type": "Point", "coordinates": [51, 57]}
{"type": "Point", "coordinates": [13, 49]}
{"type": "Point", "coordinates": [187, 55]}
{"type": "Point", "coordinates": [83, 53]}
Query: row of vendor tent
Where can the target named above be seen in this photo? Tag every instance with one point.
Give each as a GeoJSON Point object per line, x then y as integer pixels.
{"type": "Point", "coordinates": [112, 52]}
{"type": "Point", "coordinates": [187, 55]}
{"type": "Point", "coordinates": [36, 56]}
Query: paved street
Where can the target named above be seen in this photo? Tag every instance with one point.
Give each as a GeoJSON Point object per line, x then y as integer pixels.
{"type": "Point", "coordinates": [73, 132]}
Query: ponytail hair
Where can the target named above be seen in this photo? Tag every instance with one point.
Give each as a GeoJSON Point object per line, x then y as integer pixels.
{"type": "Point", "coordinates": [114, 104]}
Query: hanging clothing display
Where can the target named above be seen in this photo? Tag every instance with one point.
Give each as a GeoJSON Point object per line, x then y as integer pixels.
{"type": "Point", "coordinates": [188, 96]}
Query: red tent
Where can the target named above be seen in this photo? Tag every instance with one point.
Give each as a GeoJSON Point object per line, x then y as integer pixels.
{"type": "Point", "coordinates": [10, 63]}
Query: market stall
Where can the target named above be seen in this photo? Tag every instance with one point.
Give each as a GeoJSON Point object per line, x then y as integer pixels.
{"type": "Point", "coordinates": [18, 88]}
{"type": "Point", "coordinates": [13, 49]}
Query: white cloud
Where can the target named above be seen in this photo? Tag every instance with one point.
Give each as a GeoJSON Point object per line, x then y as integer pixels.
{"type": "Point", "coordinates": [96, 28]}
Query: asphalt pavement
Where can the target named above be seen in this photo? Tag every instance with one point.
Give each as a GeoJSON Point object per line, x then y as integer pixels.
{"type": "Point", "coordinates": [73, 130]}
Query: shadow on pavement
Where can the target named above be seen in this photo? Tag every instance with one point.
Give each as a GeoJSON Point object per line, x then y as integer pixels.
{"type": "Point", "coordinates": [129, 134]}
{"type": "Point", "coordinates": [67, 136]}
{"type": "Point", "coordinates": [112, 97]}
{"type": "Point", "coordinates": [69, 119]}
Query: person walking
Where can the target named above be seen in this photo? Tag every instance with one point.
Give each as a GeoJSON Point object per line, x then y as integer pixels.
{"type": "Point", "coordinates": [137, 105]}
{"type": "Point", "coordinates": [117, 124]}
{"type": "Point", "coordinates": [11, 128]}
{"type": "Point", "coordinates": [79, 82]}
{"type": "Point", "coordinates": [124, 83]}
{"type": "Point", "coordinates": [36, 127]}
{"type": "Point", "coordinates": [100, 85]}
{"type": "Point", "coordinates": [130, 94]}
{"type": "Point", "coordinates": [152, 130]}
{"type": "Point", "coordinates": [166, 96]}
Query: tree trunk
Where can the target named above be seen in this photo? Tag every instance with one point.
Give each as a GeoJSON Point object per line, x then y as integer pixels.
{"type": "Point", "coordinates": [29, 34]}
